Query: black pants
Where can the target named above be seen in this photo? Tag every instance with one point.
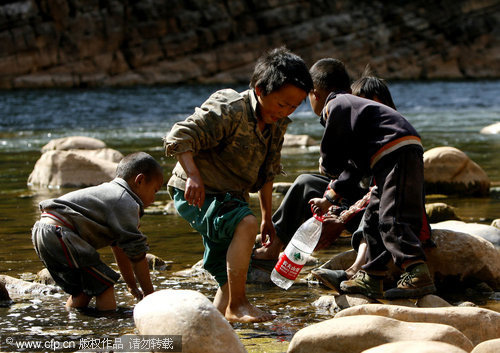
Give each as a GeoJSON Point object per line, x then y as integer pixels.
{"type": "Point", "coordinates": [393, 218]}
{"type": "Point", "coordinates": [295, 209]}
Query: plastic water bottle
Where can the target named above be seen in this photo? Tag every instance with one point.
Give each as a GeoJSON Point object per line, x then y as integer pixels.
{"type": "Point", "coordinates": [294, 257]}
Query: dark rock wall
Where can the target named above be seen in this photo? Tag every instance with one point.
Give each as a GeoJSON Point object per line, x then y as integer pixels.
{"type": "Point", "coordinates": [80, 43]}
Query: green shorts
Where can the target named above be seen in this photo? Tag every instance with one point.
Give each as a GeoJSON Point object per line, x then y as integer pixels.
{"type": "Point", "coordinates": [216, 221]}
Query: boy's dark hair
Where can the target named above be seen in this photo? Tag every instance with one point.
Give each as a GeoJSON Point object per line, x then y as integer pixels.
{"type": "Point", "coordinates": [279, 67]}
{"type": "Point", "coordinates": [136, 163]}
{"type": "Point", "coordinates": [370, 87]}
{"type": "Point", "coordinates": [330, 75]}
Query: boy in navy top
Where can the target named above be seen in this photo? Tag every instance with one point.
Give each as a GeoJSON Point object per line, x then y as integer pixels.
{"type": "Point", "coordinates": [363, 135]}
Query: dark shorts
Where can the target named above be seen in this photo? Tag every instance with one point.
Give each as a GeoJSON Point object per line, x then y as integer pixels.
{"type": "Point", "coordinates": [73, 263]}
{"type": "Point", "coordinates": [216, 222]}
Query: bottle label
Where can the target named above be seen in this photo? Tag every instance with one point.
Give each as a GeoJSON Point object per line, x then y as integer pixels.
{"type": "Point", "coordinates": [287, 267]}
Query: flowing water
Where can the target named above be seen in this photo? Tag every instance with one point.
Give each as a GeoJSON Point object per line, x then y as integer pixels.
{"type": "Point", "coordinates": [132, 119]}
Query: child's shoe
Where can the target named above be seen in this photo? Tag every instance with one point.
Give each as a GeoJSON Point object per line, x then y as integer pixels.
{"type": "Point", "coordinates": [363, 283]}
{"type": "Point", "coordinates": [414, 283]}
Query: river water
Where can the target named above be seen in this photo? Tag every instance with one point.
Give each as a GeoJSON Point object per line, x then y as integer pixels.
{"type": "Point", "coordinates": [132, 119]}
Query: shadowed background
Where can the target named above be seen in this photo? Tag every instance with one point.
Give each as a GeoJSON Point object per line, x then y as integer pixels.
{"type": "Point", "coordinates": [76, 43]}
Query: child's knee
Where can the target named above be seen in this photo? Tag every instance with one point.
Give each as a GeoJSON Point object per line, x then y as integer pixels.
{"type": "Point", "coordinates": [250, 224]}
{"type": "Point", "coordinates": [106, 300]}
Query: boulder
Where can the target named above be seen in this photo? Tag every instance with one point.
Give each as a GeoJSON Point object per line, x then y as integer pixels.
{"type": "Point", "coordinates": [351, 334]}
{"type": "Point", "coordinates": [341, 261]}
{"type": "Point", "coordinates": [4, 296]}
{"type": "Point", "coordinates": [463, 256]}
{"type": "Point", "coordinates": [326, 303]}
{"type": "Point", "coordinates": [157, 263]}
{"type": "Point", "coordinates": [189, 314]}
{"type": "Point", "coordinates": [335, 303]}
{"type": "Point", "coordinates": [448, 170]}
{"type": "Point", "coordinates": [20, 287]}
{"type": "Point", "coordinates": [490, 346]}
{"type": "Point", "coordinates": [493, 129]}
{"type": "Point", "coordinates": [457, 257]}
{"type": "Point", "coordinates": [431, 301]}
{"type": "Point", "coordinates": [44, 277]}
{"type": "Point", "coordinates": [477, 324]}
{"type": "Point", "coordinates": [196, 274]}
{"type": "Point", "coordinates": [490, 233]}
{"type": "Point", "coordinates": [496, 223]}
{"type": "Point", "coordinates": [347, 300]}
{"type": "Point", "coordinates": [439, 211]}
{"type": "Point", "coordinates": [298, 141]}
{"type": "Point", "coordinates": [415, 347]}
{"type": "Point", "coordinates": [74, 142]}
{"type": "Point", "coordinates": [70, 169]}
{"type": "Point", "coordinates": [108, 154]}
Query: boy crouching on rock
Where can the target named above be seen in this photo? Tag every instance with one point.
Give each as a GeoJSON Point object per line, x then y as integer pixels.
{"type": "Point", "coordinates": [73, 226]}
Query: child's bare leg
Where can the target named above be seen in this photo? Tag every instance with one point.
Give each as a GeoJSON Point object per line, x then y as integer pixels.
{"type": "Point", "coordinates": [106, 300]}
{"type": "Point", "coordinates": [360, 260]}
{"type": "Point", "coordinates": [239, 308]}
{"type": "Point", "coordinates": [81, 300]}
{"type": "Point", "coordinates": [222, 298]}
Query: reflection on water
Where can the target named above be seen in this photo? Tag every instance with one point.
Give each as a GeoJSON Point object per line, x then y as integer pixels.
{"type": "Point", "coordinates": [134, 119]}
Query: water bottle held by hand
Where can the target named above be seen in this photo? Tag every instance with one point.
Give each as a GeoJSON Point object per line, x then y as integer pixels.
{"type": "Point", "coordinates": [294, 257]}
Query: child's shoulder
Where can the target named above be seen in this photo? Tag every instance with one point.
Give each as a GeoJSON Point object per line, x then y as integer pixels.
{"type": "Point", "coordinates": [228, 96]}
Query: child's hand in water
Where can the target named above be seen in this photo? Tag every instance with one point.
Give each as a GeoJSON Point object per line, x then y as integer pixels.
{"type": "Point", "coordinates": [137, 293]}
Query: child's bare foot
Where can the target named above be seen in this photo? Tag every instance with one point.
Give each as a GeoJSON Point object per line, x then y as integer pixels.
{"type": "Point", "coordinates": [269, 251]}
{"type": "Point", "coordinates": [264, 253]}
{"type": "Point", "coordinates": [247, 313]}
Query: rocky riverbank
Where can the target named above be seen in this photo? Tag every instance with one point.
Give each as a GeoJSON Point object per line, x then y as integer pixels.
{"type": "Point", "coordinates": [112, 43]}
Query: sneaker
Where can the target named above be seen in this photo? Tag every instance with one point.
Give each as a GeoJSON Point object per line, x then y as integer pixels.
{"type": "Point", "coordinates": [330, 278]}
{"type": "Point", "coordinates": [414, 283]}
{"type": "Point", "coordinates": [363, 283]}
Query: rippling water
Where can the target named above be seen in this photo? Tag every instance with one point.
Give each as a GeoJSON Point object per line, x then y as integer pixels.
{"type": "Point", "coordinates": [130, 119]}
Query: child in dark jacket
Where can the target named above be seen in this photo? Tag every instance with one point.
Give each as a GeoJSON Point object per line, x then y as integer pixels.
{"type": "Point", "coordinates": [73, 226]}
{"type": "Point", "coordinates": [378, 141]}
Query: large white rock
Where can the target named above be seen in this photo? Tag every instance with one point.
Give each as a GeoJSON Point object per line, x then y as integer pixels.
{"type": "Point", "coordinates": [491, 346]}
{"type": "Point", "coordinates": [448, 170]}
{"type": "Point", "coordinates": [74, 142]}
{"type": "Point", "coordinates": [107, 154]}
{"type": "Point", "coordinates": [490, 233]}
{"type": "Point", "coordinates": [357, 333]}
{"type": "Point", "coordinates": [189, 314]}
{"type": "Point", "coordinates": [493, 129]}
{"type": "Point", "coordinates": [477, 324]}
{"type": "Point", "coordinates": [415, 347]}
{"type": "Point", "coordinates": [59, 168]}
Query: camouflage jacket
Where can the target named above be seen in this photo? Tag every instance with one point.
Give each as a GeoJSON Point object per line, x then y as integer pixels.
{"type": "Point", "coordinates": [231, 153]}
